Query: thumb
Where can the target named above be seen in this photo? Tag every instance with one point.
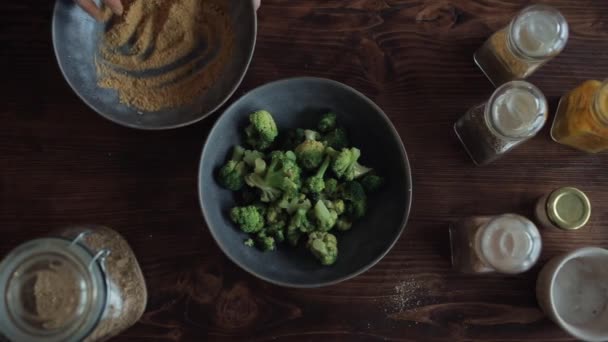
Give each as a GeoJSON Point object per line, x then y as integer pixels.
{"type": "Point", "coordinates": [115, 6]}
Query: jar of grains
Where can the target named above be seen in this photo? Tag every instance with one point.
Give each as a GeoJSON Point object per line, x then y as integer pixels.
{"type": "Point", "coordinates": [507, 244]}
{"type": "Point", "coordinates": [582, 118]}
{"type": "Point", "coordinates": [534, 36]}
{"type": "Point", "coordinates": [564, 208]}
{"type": "Point", "coordinates": [515, 113]}
{"type": "Point", "coordinates": [82, 284]}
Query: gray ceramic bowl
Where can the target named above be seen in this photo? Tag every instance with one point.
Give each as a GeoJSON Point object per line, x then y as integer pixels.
{"type": "Point", "coordinates": [299, 102]}
{"type": "Point", "coordinates": [76, 37]}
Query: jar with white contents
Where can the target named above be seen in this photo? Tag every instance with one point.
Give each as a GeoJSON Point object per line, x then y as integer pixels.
{"type": "Point", "coordinates": [507, 244]}
{"type": "Point", "coordinates": [535, 36]}
{"type": "Point", "coordinates": [81, 284]}
{"type": "Point", "coordinates": [515, 113]}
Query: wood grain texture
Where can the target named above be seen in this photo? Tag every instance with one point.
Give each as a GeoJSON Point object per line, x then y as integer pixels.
{"type": "Point", "coordinates": [60, 164]}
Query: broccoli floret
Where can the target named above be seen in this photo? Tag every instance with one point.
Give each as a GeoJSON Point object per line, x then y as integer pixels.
{"type": "Point", "coordinates": [372, 183]}
{"type": "Point", "coordinates": [259, 166]}
{"type": "Point", "coordinates": [346, 164]}
{"type": "Point", "coordinates": [324, 246]}
{"type": "Point", "coordinates": [282, 175]}
{"type": "Point", "coordinates": [327, 122]}
{"type": "Point", "coordinates": [298, 224]}
{"type": "Point", "coordinates": [265, 242]}
{"type": "Point", "coordinates": [336, 138]}
{"type": "Point", "coordinates": [325, 218]}
{"type": "Point", "coordinates": [231, 175]}
{"type": "Point", "coordinates": [277, 230]}
{"type": "Point", "coordinates": [310, 153]}
{"type": "Point", "coordinates": [262, 130]}
{"type": "Point", "coordinates": [248, 242]}
{"type": "Point", "coordinates": [331, 187]}
{"type": "Point", "coordinates": [251, 157]}
{"type": "Point", "coordinates": [292, 203]}
{"type": "Point", "coordinates": [343, 224]}
{"type": "Point", "coordinates": [316, 183]}
{"type": "Point", "coordinates": [292, 139]}
{"type": "Point", "coordinates": [248, 218]}
{"type": "Point", "coordinates": [338, 206]}
{"type": "Point", "coordinates": [354, 198]}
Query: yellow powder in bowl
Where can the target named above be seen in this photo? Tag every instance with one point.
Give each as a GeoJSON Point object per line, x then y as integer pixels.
{"type": "Point", "coordinates": [165, 53]}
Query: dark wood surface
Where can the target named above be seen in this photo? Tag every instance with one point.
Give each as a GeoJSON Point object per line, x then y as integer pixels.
{"type": "Point", "coordinates": [60, 164]}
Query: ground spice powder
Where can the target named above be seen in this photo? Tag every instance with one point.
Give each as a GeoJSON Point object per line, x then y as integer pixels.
{"type": "Point", "coordinates": [165, 53]}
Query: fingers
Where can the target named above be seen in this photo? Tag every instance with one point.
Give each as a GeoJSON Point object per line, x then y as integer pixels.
{"type": "Point", "coordinates": [256, 4]}
{"type": "Point", "coordinates": [90, 7]}
{"type": "Point", "coordinates": [115, 6]}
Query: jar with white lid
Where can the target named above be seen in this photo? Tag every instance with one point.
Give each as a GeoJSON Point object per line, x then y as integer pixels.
{"type": "Point", "coordinates": [508, 244]}
{"type": "Point", "coordinates": [515, 113]}
{"type": "Point", "coordinates": [535, 36]}
{"type": "Point", "coordinates": [81, 284]}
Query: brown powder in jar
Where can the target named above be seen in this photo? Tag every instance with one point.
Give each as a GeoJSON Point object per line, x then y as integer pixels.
{"type": "Point", "coordinates": [56, 295]}
{"type": "Point", "coordinates": [165, 53]}
{"type": "Point", "coordinates": [127, 293]}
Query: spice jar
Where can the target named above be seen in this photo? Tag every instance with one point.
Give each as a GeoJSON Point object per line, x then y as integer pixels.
{"type": "Point", "coordinates": [565, 208]}
{"type": "Point", "coordinates": [514, 114]}
{"type": "Point", "coordinates": [582, 118]}
{"type": "Point", "coordinates": [534, 36]}
{"type": "Point", "coordinates": [507, 244]}
{"type": "Point", "coordinates": [82, 284]}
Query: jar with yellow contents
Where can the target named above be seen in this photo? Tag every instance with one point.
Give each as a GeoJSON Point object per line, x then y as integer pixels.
{"type": "Point", "coordinates": [582, 118]}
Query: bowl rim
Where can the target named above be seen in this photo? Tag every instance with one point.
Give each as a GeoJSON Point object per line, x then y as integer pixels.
{"type": "Point", "coordinates": [566, 258]}
{"type": "Point", "coordinates": [165, 127]}
{"type": "Point", "coordinates": [408, 189]}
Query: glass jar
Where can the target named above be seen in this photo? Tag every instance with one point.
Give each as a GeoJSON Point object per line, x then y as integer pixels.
{"type": "Point", "coordinates": [514, 114]}
{"type": "Point", "coordinates": [565, 208]}
{"type": "Point", "coordinates": [81, 284]}
{"type": "Point", "coordinates": [581, 120]}
{"type": "Point", "coordinates": [507, 244]}
{"type": "Point", "coordinates": [534, 36]}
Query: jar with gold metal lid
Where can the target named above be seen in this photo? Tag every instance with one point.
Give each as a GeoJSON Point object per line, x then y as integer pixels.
{"type": "Point", "coordinates": [581, 121]}
{"type": "Point", "coordinates": [564, 208]}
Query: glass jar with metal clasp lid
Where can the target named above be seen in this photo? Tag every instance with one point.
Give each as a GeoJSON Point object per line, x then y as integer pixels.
{"type": "Point", "coordinates": [81, 284]}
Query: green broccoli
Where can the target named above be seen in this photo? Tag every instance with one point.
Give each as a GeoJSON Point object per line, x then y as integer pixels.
{"type": "Point", "coordinates": [248, 218]}
{"type": "Point", "coordinates": [355, 200]}
{"type": "Point", "coordinates": [262, 130]}
{"type": "Point", "coordinates": [324, 246]}
{"type": "Point", "coordinates": [343, 224]}
{"type": "Point", "coordinates": [338, 206]}
{"type": "Point", "coordinates": [331, 187]}
{"type": "Point", "coordinates": [298, 224]}
{"type": "Point", "coordinates": [231, 175]}
{"type": "Point", "coordinates": [327, 122]}
{"type": "Point", "coordinates": [324, 218]}
{"type": "Point", "coordinates": [316, 183]}
{"type": "Point", "coordinates": [310, 153]}
{"type": "Point", "coordinates": [336, 139]}
{"type": "Point", "coordinates": [251, 157]}
{"type": "Point", "coordinates": [277, 230]}
{"type": "Point", "coordinates": [346, 164]}
{"type": "Point", "coordinates": [282, 175]}
{"type": "Point", "coordinates": [292, 139]}
{"type": "Point", "coordinates": [371, 182]}
{"type": "Point", "coordinates": [265, 242]}
{"type": "Point", "coordinates": [248, 242]}
{"type": "Point", "coordinates": [292, 203]}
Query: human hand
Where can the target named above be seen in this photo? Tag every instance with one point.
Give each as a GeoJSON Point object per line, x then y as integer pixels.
{"type": "Point", "coordinates": [116, 6]}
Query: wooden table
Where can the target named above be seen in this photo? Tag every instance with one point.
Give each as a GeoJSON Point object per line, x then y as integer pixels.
{"type": "Point", "coordinates": [60, 163]}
